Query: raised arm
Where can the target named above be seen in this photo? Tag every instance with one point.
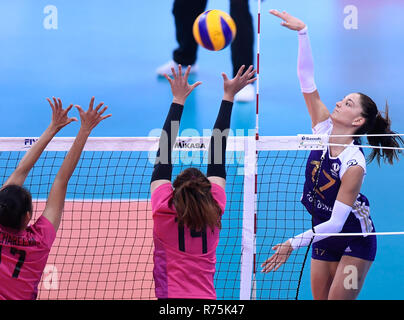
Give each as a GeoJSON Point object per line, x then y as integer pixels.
{"type": "Point", "coordinates": [216, 171]}
{"type": "Point", "coordinates": [305, 68]}
{"type": "Point", "coordinates": [181, 89]}
{"type": "Point", "coordinates": [59, 120]}
{"type": "Point", "coordinates": [55, 204]}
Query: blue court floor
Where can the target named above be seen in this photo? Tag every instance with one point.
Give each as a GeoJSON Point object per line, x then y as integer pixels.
{"type": "Point", "coordinates": [110, 50]}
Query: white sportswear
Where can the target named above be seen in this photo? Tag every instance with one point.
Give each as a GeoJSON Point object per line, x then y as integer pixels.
{"type": "Point", "coordinates": [305, 64]}
{"type": "Point", "coordinates": [339, 215]}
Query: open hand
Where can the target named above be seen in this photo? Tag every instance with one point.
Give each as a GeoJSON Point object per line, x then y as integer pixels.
{"type": "Point", "coordinates": [289, 21]}
{"type": "Point", "coordinates": [281, 255]}
{"type": "Point", "coordinates": [60, 118]}
{"type": "Point", "coordinates": [180, 86]}
{"type": "Point", "coordinates": [92, 117]}
{"type": "Point", "coordinates": [231, 87]}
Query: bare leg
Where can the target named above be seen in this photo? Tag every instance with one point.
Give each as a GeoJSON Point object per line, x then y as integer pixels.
{"type": "Point", "coordinates": [322, 276]}
{"type": "Point", "coordinates": [349, 278]}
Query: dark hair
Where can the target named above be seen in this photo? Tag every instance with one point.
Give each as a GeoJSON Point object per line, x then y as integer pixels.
{"type": "Point", "coordinates": [377, 124]}
{"type": "Point", "coordinates": [15, 202]}
{"type": "Point", "coordinates": [194, 202]}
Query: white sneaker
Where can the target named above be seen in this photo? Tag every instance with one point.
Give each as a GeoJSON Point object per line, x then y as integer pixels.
{"type": "Point", "coordinates": [166, 68]}
{"type": "Point", "coordinates": [246, 94]}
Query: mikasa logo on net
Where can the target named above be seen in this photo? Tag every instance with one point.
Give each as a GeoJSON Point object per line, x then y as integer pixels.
{"type": "Point", "coordinates": [189, 145]}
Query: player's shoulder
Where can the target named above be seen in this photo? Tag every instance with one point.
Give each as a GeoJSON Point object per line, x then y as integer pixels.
{"type": "Point", "coordinates": [323, 127]}
{"type": "Point", "coordinates": [161, 196]}
{"type": "Point", "coordinates": [160, 185]}
{"type": "Point", "coordinates": [43, 231]}
{"type": "Point", "coordinates": [219, 194]}
{"type": "Point", "coordinates": [352, 157]}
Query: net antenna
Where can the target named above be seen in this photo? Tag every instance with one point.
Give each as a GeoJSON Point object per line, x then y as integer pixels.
{"type": "Point", "coordinates": [254, 281]}
{"type": "Point", "coordinates": [248, 281]}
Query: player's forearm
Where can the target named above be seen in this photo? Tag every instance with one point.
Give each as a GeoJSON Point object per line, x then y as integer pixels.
{"type": "Point", "coordinates": [305, 72]}
{"type": "Point", "coordinates": [335, 224]}
{"type": "Point", "coordinates": [56, 198]}
{"type": "Point", "coordinates": [70, 162]}
{"type": "Point", "coordinates": [305, 63]}
{"type": "Point", "coordinates": [31, 157]}
{"type": "Point", "coordinates": [163, 164]}
{"type": "Point", "coordinates": [57, 194]}
{"type": "Point", "coordinates": [218, 141]}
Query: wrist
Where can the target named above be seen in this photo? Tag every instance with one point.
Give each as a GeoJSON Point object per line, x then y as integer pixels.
{"type": "Point", "coordinates": [228, 97]}
{"type": "Point", "coordinates": [53, 129]}
{"type": "Point", "coordinates": [84, 132]}
{"type": "Point", "coordinates": [289, 244]}
{"type": "Point", "coordinates": [180, 101]}
{"type": "Point", "coordinates": [303, 29]}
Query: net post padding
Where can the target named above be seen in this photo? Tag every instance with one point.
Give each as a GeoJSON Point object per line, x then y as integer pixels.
{"type": "Point", "coordinates": [248, 237]}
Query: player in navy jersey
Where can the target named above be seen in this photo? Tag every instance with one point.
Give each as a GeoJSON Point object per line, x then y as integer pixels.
{"type": "Point", "coordinates": [333, 181]}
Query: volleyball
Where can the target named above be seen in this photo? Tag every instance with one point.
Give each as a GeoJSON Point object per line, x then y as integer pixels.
{"type": "Point", "coordinates": [214, 30]}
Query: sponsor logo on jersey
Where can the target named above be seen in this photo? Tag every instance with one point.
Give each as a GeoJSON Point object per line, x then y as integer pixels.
{"type": "Point", "coordinates": [335, 168]}
{"type": "Point", "coordinates": [351, 163]}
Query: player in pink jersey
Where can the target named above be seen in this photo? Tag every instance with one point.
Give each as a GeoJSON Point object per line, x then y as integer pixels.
{"type": "Point", "coordinates": [24, 249]}
{"type": "Point", "coordinates": [187, 214]}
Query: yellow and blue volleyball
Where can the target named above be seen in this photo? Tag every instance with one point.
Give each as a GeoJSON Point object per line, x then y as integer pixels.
{"type": "Point", "coordinates": [214, 30]}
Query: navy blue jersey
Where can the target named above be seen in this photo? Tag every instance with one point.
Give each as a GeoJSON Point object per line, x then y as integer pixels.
{"type": "Point", "coordinates": [323, 180]}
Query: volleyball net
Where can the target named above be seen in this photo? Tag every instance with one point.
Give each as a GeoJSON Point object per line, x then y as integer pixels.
{"type": "Point", "coordinates": [104, 246]}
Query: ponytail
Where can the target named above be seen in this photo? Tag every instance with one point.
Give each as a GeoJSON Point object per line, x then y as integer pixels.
{"type": "Point", "coordinates": [196, 208]}
{"type": "Point", "coordinates": [377, 124]}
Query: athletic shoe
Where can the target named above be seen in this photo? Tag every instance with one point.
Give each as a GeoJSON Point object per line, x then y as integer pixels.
{"type": "Point", "coordinates": [246, 94]}
{"type": "Point", "coordinates": [166, 68]}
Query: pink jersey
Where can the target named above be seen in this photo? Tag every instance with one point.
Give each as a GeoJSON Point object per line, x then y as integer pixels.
{"type": "Point", "coordinates": [23, 257]}
{"type": "Point", "coordinates": [184, 260]}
